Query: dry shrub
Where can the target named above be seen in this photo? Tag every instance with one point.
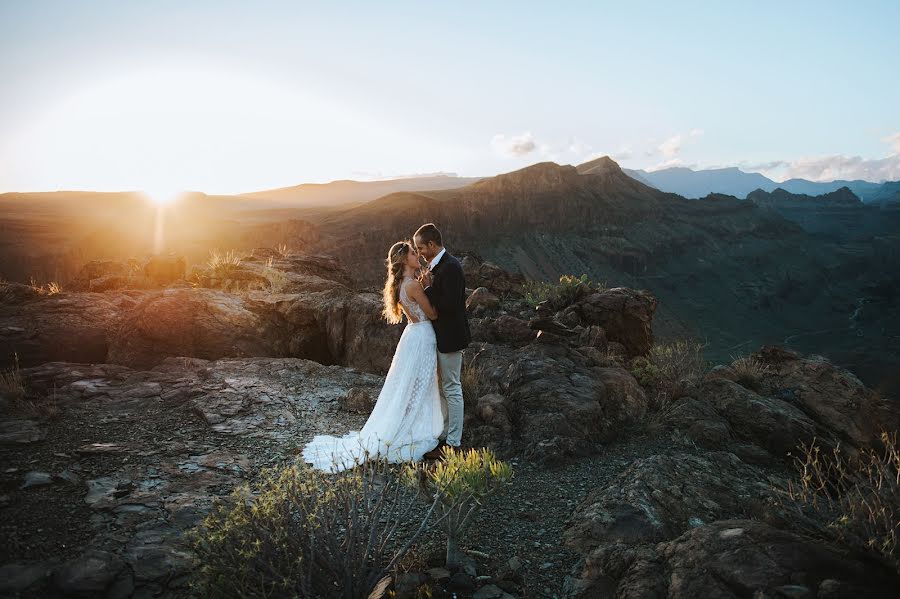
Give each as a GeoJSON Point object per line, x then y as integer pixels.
{"type": "Point", "coordinates": [669, 370]}
{"type": "Point", "coordinates": [856, 495]}
{"type": "Point", "coordinates": [51, 288]}
{"type": "Point", "coordinates": [278, 280]}
{"type": "Point", "coordinates": [749, 371]}
{"type": "Point", "coordinates": [14, 390]}
{"type": "Point", "coordinates": [474, 383]}
{"type": "Point", "coordinates": [12, 384]}
{"type": "Point", "coordinates": [224, 263]}
{"type": "Point", "coordinates": [305, 533]}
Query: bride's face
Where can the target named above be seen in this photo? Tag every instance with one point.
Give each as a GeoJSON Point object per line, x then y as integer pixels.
{"type": "Point", "coordinates": [412, 258]}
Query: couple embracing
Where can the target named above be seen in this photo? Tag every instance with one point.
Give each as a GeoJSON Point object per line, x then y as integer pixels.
{"type": "Point", "coordinates": [420, 407]}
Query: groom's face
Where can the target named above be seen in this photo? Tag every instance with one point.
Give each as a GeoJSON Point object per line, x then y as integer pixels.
{"type": "Point", "coordinates": [427, 251]}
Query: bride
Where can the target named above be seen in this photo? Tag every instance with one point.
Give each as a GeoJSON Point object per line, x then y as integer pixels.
{"type": "Point", "coordinates": [407, 419]}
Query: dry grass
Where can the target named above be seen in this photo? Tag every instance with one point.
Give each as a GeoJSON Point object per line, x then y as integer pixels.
{"type": "Point", "coordinates": [12, 385]}
{"type": "Point", "coordinates": [474, 383]}
{"type": "Point", "coordinates": [223, 263]}
{"type": "Point", "coordinates": [855, 495]}
{"type": "Point", "coordinates": [282, 250]}
{"type": "Point", "coordinates": [278, 281]}
{"type": "Point", "coordinates": [14, 390]}
{"type": "Point", "coordinates": [749, 371]}
{"type": "Point", "coordinates": [669, 370]}
{"type": "Point", "coordinates": [51, 288]}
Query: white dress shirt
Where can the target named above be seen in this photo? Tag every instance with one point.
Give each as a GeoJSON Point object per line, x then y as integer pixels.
{"type": "Point", "coordinates": [437, 259]}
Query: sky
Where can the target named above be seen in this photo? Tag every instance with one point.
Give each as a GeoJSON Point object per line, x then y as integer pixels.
{"type": "Point", "coordinates": [227, 97]}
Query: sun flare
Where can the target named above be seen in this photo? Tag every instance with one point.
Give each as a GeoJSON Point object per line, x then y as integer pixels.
{"type": "Point", "coordinates": [161, 197]}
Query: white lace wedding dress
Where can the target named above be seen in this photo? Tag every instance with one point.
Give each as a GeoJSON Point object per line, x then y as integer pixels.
{"type": "Point", "coordinates": [408, 417]}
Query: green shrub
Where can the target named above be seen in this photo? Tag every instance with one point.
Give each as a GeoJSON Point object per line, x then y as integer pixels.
{"type": "Point", "coordinates": [305, 533]}
{"type": "Point", "coordinates": [566, 292]}
{"type": "Point", "coordinates": [463, 480]}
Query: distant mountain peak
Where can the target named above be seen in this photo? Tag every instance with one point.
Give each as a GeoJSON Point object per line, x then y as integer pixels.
{"type": "Point", "coordinates": [598, 166]}
{"type": "Point", "coordinates": [538, 177]}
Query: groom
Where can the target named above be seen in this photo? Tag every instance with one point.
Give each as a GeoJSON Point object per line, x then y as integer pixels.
{"type": "Point", "coordinates": [445, 287]}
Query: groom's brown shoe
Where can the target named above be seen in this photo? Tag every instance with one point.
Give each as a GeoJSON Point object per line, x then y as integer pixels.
{"type": "Point", "coordinates": [435, 454]}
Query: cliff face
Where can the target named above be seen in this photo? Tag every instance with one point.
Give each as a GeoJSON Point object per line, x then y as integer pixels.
{"type": "Point", "coordinates": [192, 392]}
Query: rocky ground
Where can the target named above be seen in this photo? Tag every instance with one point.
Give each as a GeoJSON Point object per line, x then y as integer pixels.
{"type": "Point", "coordinates": [106, 464]}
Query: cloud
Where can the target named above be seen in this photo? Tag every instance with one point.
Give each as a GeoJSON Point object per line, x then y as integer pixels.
{"type": "Point", "coordinates": [836, 166]}
{"type": "Point", "coordinates": [894, 141]}
{"type": "Point", "coordinates": [672, 163]}
{"type": "Point", "coordinates": [672, 146]}
{"type": "Point", "coordinates": [516, 146]}
{"type": "Point", "coordinates": [829, 168]}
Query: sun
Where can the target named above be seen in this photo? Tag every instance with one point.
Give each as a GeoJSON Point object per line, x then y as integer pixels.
{"type": "Point", "coordinates": [162, 196]}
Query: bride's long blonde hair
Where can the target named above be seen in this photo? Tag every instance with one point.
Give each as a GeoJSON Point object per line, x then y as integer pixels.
{"type": "Point", "coordinates": [396, 262]}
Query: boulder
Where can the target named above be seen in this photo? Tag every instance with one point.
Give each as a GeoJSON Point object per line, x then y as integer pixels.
{"type": "Point", "coordinates": [200, 323]}
{"type": "Point", "coordinates": [510, 329]}
{"type": "Point", "coordinates": [731, 559]}
{"type": "Point", "coordinates": [481, 273]}
{"type": "Point", "coordinates": [481, 300]}
{"type": "Point", "coordinates": [556, 403]}
{"type": "Point", "coordinates": [165, 269]}
{"type": "Point", "coordinates": [659, 497]}
{"type": "Point", "coordinates": [626, 316]}
{"type": "Point", "coordinates": [834, 397]}
{"type": "Point", "coordinates": [68, 326]}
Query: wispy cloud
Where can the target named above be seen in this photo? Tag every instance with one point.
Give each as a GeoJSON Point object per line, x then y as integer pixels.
{"type": "Point", "coordinates": [516, 145]}
{"type": "Point", "coordinates": [672, 146]}
{"type": "Point", "coordinates": [893, 140]}
{"type": "Point", "coordinates": [836, 166]}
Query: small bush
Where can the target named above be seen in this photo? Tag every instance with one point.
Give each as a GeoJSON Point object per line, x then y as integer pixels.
{"type": "Point", "coordinates": [749, 371]}
{"type": "Point", "coordinates": [566, 292]}
{"type": "Point", "coordinates": [51, 288]}
{"type": "Point", "coordinates": [463, 480]}
{"type": "Point", "coordinates": [669, 370]}
{"type": "Point", "coordinates": [855, 495]}
{"type": "Point", "coordinates": [12, 385]}
{"type": "Point", "coordinates": [224, 263]}
{"type": "Point", "coordinates": [278, 280]}
{"type": "Point", "coordinates": [535, 292]}
{"type": "Point", "coordinates": [305, 533]}
{"type": "Point", "coordinates": [473, 383]}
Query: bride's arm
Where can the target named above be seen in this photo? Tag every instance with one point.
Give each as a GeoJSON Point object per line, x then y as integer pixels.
{"type": "Point", "coordinates": [416, 292]}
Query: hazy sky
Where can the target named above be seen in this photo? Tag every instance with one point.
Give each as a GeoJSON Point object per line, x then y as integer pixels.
{"type": "Point", "coordinates": [236, 96]}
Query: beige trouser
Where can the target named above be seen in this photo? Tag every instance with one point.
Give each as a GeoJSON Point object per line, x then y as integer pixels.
{"type": "Point", "coordinates": [449, 368]}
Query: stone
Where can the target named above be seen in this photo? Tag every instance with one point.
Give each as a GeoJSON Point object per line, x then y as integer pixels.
{"type": "Point", "coordinates": [36, 479]}
{"type": "Point", "coordinates": [17, 577]}
{"type": "Point", "coordinates": [510, 329]}
{"type": "Point", "coordinates": [92, 572]}
{"type": "Point", "coordinates": [482, 299]}
{"type": "Point", "coordinates": [358, 401]}
{"type": "Point", "coordinates": [657, 498]}
{"type": "Point", "coordinates": [760, 561]}
{"type": "Point", "coordinates": [626, 316]}
{"type": "Point", "coordinates": [21, 431]}
{"type": "Point", "coordinates": [491, 591]}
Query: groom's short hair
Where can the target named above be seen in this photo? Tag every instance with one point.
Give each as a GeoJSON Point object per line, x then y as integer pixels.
{"type": "Point", "coordinates": [428, 233]}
